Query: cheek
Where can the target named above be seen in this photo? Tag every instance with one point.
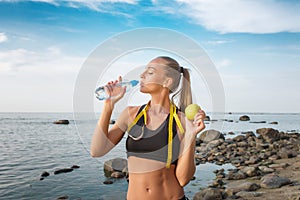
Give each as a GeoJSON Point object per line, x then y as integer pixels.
{"type": "Point", "coordinates": [148, 87]}
{"type": "Point", "coordinates": [154, 79]}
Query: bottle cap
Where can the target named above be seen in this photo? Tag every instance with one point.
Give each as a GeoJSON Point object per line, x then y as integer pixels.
{"type": "Point", "coordinates": [134, 82]}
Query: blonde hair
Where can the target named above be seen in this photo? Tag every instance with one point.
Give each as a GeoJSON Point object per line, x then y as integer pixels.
{"type": "Point", "coordinates": [174, 71]}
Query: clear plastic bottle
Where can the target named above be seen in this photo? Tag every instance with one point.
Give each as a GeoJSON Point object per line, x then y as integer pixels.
{"type": "Point", "coordinates": [101, 94]}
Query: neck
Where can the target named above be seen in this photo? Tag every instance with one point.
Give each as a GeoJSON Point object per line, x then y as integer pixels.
{"type": "Point", "coordinates": [160, 103]}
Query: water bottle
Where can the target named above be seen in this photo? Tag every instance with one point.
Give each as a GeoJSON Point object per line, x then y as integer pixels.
{"type": "Point", "coordinates": [101, 94]}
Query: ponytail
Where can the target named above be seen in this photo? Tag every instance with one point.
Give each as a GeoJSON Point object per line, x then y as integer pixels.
{"type": "Point", "coordinates": [185, 97]}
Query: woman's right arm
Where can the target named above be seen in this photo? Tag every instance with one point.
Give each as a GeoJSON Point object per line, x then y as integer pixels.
{"type": "Point", "coordinates": [104, 139]}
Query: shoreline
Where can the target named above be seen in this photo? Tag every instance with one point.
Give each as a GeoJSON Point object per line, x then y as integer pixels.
{"type": "Point", "coordinates": [267, 165]}
{"type": "Point", "coordinates": [290, 191]}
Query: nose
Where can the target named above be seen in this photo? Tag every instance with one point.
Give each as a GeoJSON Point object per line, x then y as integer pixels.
{"type": "Point", "coordinates": [142, 75]}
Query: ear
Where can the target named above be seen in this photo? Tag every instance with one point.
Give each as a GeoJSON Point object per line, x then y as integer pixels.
{"type": "Point", "coordinates": [168, 82]}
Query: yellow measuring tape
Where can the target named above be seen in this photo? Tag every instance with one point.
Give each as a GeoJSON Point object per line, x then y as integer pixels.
{"type": "Point", "coordinates": [173, 115]}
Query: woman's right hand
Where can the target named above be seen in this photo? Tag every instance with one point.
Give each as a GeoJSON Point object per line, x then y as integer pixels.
{"type": "Point", "coordinates": [114, 90]}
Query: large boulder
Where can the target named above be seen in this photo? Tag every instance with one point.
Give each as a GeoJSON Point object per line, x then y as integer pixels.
{"type": "Point", "coordinates": [234, 188]}
{"type": "Point", "coordinates": [209, 194]}
{"type": "Point", "coordinates": [274, 181]}
{"type": "Point", "coordinates": [115, 165]}
{"type": "Point", "coordinates": [210, 135]}
{"type": "Point", "coordinates": [268, 134]}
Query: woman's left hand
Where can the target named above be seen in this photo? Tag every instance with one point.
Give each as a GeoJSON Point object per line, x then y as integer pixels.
{"type": "Point", "coordinates": [195, 126]}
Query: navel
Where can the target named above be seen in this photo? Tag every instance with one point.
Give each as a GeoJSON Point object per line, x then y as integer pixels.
{"type": "Point", "coordinates": [148, 189]}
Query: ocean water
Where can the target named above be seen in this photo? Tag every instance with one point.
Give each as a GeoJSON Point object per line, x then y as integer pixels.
{"type": "Point", "coordinates": [31, 144]}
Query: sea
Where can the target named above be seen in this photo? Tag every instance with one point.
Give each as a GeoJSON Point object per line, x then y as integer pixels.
{"type": "Point", "coordinates": [31, 144]}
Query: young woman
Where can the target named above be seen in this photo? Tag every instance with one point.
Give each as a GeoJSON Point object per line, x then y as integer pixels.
{"type": "Point", "coordinates": [161, 140]}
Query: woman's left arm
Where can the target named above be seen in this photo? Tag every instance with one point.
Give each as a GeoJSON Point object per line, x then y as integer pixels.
{"type": "Point", "coordinates": [186, 167]}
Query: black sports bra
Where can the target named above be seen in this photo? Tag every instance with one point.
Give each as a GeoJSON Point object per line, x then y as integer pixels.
{"type": "Point", "coordinates": [152, 144]}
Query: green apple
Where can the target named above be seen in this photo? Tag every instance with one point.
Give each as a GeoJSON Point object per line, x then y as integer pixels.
{"type": "Point", "coordinates": [191, 110]}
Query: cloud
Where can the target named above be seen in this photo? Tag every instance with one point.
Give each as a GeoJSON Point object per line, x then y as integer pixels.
{"type": "Point", "coordinates": [3, 37]}
{"type": "Point", "coordinates": [243, 16]}
{"type": "Point", "coordinates": [103, 6]}
{"type": "Point", "coordinates": [47, 62]}
{"type": "Point", "coordinates": [91, 4]}
{"type": "Point", "coordinates": [223, 63]}
{"type": "Point", "coordinates": [218, 42]}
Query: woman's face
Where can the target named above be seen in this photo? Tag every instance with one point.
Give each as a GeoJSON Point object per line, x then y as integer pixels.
{"type": "Point", "coordinates": [153, 78]}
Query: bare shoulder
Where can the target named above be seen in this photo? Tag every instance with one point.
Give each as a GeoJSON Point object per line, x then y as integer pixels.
{"type": "Point", "coordinates": [133, 110]}
{"type": "Point", "coordinates": [126, 117]}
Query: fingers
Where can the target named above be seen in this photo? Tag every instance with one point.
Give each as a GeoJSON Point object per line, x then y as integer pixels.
{"type": "Point", "coordinates": [112, 84]}
{"type": "Point", "coordinates": [199, 120]}
{"type": "Point", "coordinates": [200, 115]}
{"type": "Point", "coordinates": [114, 89]}
{"type": "Point", "coordinates": [120, 79]}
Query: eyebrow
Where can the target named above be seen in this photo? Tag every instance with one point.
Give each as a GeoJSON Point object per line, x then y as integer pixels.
{"type": "Point", "coordinates": [148, 67]}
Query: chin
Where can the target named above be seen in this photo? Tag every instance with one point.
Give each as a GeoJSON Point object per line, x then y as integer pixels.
{"type": "Point", "coordinates": [144, 89]}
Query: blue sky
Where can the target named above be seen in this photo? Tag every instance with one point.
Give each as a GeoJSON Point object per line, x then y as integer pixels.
{"type": "Point", "coordinates": [255, 46]}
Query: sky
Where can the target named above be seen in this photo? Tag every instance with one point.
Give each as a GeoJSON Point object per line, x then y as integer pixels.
{"type": "Point", "coordinates": [254, 45]}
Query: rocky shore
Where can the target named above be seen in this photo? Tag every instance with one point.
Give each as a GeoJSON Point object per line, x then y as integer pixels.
{"type": "Point", "coordinates": [267, 165]}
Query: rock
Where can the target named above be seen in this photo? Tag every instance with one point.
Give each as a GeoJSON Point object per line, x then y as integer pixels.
{"type": "Point", "coordinates": [261, 146]}
{"type": "Point", "coordinates": [75, 167]}
{"type": "Point", "coordinates": [249, 195]}
{"type": "Point", "coordinates": [239, 138]}
{"type": "Point", "coordinates": [280, 165]}
{"type": "Point", "coordinates": [214, 143]}
{"type": "Point", "coordinates": [295, 196]}
{"type": "Point", "coordinates": [210, 135]}
{"type": "Point", "coordinates": [116, 164]}
{"type": "Point", "coordinates": [250, 171]}
{"type": "Point", "coordinates": [268, 134]}
{"type": "Point", "coordinates": [209, 194]}
{"type": "Point", "coordinates": [125, 171]}
{"type": "Point", "coordinates": [65, 170]}
{"type": "Point", "coordinates": [61, 121]}
{"type": "Point", "coordinates": [207, 118]}
{"type": "Point", "coordinates": [117, 175]}
{"type": "Point", "coordinates": [249, 134]}
{"type": "Point", "coordinates": [232, 175]}
{"type": "Point", "coordinates": [246, 186]}
{"type": "Point", "coordinates": [62, 197]}
{"type": "Point", "coordinates": [273, 123]}
{"type": "Point", "coordinates": [45, 174]}
{"type": "Point", "coordinates": [265, 169]}
{"type": "Point", "coordinates": [296, 165]}
{"type": "Point", "coordinates": [285, 153]}
{"type": "Point", "coordinates": [217, 183]}
{"type": "Point", "coordinates": [274, 181]}
{"type": "Point", "coordinates": [259, 122]}
{"type": "Point", "coordinates": [108, 181]}
{"type": "Point", "coordinates": [274, 157]}
{"type": "Point", "coordinates": [242, 144]}
{"type": "Point", "coordinates": [252, 160]}
{"type": "Point", "coordinates": [244, 118]}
